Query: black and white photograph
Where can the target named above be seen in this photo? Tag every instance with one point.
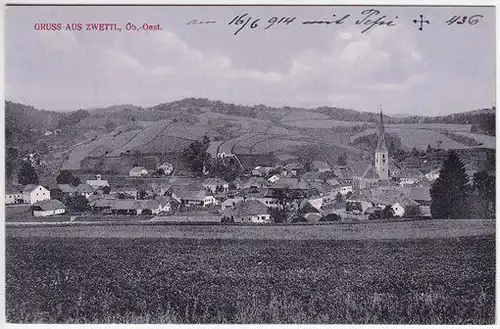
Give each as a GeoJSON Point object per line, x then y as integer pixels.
{"type": "Point", "coordinates": [249, 164]}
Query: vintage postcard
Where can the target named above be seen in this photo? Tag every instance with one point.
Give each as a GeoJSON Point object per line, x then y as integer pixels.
{"type": "Point", "coordinates": [310, 164]}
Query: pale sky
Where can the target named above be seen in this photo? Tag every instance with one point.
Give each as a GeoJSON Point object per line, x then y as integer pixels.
{"type": "Point", "coordinates": [440, 70]}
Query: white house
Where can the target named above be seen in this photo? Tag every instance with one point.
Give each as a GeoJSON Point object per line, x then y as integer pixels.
{"type": "Point", "coordinates": [216, 185]}
{"type": "Point", "coordinates": [13, 195]}
{"type": "Point", "coordinates": [167, 168]}
{"type": "Point", "coordinates": [344, 189]}
{"type": "Point", "coordinates": [34, 193]}
{"type": "Point", "coordinates": [97, 183]}
{"type": "Point", "coordinates": [194, 197]}
{"type": "Point", "coordinates": [165, 203]}
{"type": "Point", "coordinates": [274, 178]}
{"type": "Point", "coordinates": [138, 172]}
{"type": "Point", "coordinates": [432, 175]}
{"type": "Point", "coordinates": [48, 208]}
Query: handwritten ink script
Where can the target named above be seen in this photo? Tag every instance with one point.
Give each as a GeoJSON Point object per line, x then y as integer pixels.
{"type": "Point", "coordinates": [367, 20]}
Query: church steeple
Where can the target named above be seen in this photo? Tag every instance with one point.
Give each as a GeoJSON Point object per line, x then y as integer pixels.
{"type": "Point", "coordinates": [381, 145]}
{"type": "Point", "coordinates": [381, 153]}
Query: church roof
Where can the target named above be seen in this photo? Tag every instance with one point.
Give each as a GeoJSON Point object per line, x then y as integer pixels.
{"type": "Point", "coordinates": [370, 172]}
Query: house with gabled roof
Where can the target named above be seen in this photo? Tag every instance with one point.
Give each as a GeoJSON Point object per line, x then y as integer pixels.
{"type": "Point", "coordinates": [33, 193]}
{"type": "Point", "coordinates": [97, 183]}
{"type": "Point", "coordinates": [138, 171]}
{"type": "Point", "coordinates": [250, 211]}
{"type": "Point", "coordinates": [48, 208]}
{"type": "Point", "coordinates": [13, 194]}
{"type": "Point", "coordinates": [216, 185]}
{"type": "Point", "coordinates": [320, 166]}
{"type": "Point", "coordinates": [84, 190]}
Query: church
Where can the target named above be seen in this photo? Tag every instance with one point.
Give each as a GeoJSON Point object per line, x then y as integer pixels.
{"type": "Point", "coordinates": [377, 173]}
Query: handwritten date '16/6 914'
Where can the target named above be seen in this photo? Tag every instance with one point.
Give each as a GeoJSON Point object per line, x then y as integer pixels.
{"type": "Point", "coordinates": [243, 20]}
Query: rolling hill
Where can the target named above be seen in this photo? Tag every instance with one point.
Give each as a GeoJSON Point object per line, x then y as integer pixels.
{"type": "Point", "coordinates": [116, 132]}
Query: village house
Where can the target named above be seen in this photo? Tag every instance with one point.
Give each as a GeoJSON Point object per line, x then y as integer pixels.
{"type": "Point", "coordinates": [357, 204]}
{"type": "Point", "coordinates": [189, 197]}
{"type": "Point", "coordinates": [320, 166]}
{"type": "Point", "coordinates": [13, 195]}
{"type": "Point", "coordinates": [250, 211]}
{"type": "Point", "coordinates": [399, 208]}
{"type": "Point", "coordinates": [48, 208]}
{"type": "Point", "coordinates": [124, 192]}
{"type": "Point", "coordinates": [409, 176]}
{"type": "Point", "coordinates": [167, 168]}
{"type": "Point", "coordinates": [138, 171]}
{"type": "Point", "coordinates": [67, 189]}
{"type": "Point", "coordinates": [135, 207]}
{"type": "Point", "coordinates": [274, 178]}
{"type": "Point", "coordinates": [261, 171]}
{"type": "Point", "coordinates": [97, 183]}
{"type": "Point", "coordinates": [166, 203]}
{"type": "Point", "coordinates": [292, 169]}
{"type": "Point", "coordinates": [216, 185]}
{"type": "Point", "coordinates": [33, 193]}
{"type": "Point", "coordinates": [432, 175]}
{"type": "Point", "coordinates": [84, 190]}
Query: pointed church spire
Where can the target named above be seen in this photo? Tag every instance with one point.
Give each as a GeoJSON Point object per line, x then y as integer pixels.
{"type": "Point", "coordinates": [381, 145]}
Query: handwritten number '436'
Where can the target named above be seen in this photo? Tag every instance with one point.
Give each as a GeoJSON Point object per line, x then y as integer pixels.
{"type": "Point", "coordinates": [472, 20]}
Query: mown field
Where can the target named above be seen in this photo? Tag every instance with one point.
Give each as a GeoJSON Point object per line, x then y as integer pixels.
{"type": "Point", "coordinates": [158, 280]}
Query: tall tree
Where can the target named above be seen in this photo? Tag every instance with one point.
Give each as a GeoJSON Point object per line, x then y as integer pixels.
{"type": "Point", "coordinates": [449, 193]}
{"type": "Point", "coordinates": [27, 174]}
{"type": "Point", "coordinates": [66, 177]}
{"type": "Point", "coordinates": [482, 198]}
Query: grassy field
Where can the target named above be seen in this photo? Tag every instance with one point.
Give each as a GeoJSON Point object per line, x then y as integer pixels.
{"type": "Point", "coordinates": [338, 231]}
{"type": "Point", "coordinates": [146, 280]}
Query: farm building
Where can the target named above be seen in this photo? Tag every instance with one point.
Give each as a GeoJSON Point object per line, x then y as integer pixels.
{"type": "Point", "coordinates": [166, 203]}
{"type": "Point", "coordinates": [67, 189]}
{"type": "Point", "coordinates": [409, 176]}
{"type": "Point", "coordinates": [138, 171]}
{"type": "Point", "coordinates": [135, 207]}
{"type": "Point", "coordinates": [432, 175]}
{"type": "Point", "coordinates": [48, 208]}
{"type": "Point", "coordinates": [97, 183]}
{"type": "Point", "coordinates": [292, 169]}
{"type": "Point", "coordinates": [216, 185]}
{"type": "Point", "coordinates": [357, 204]}
{"type": "Point", "coordinates": [33, 193]}
{"type": "Point", "coordinates": [320, 166]}
{"type": "Point", "coordinates": [261, 171]}
{"type": "Point", "coordinates": [250, 211]}
{"type": "Point", "coordinates": [124, 192]}
{"type": "Point", "coordinates": [13, 195]}
{"type": "Point", "coordinates": [274, 178]}
{"type": "Point", "coordinates": [189, 197]}
{"type": "Point", "coordinates": [167, 168]}
{"type": "Point", "coordinates": [399, 208]}
{"type": "Point", "coordinates": [84, 189]}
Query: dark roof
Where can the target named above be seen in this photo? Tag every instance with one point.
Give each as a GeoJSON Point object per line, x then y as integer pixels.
{"type": "Point", "coordinates": [247, 208]}
{"type": "Point", "coordinates": [66, 188]}
{"type": "Point", "coordinates": [84, 188]}
{"type": "Point", "coordinates": [48, 205]}
{"type": "Point", "coordinates": [30, 188]}
{"type": "Point", "coordinates": [320, 165]}
{"type": "Point", "coordinates": [420, 194]}
{"type": "Point", "coordinates": [292, 183]}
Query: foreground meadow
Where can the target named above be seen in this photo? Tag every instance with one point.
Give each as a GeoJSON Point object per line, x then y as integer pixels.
{"type": "Point", "coordinates": [149, 280]}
